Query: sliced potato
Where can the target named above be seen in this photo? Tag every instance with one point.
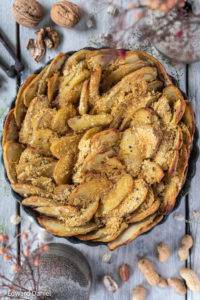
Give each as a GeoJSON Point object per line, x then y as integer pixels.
{"type": "Point", "coordinates": [20, 109]}
{"type": "Point", "coordinates": [103, 141]}
{"type": "Point", "coordinates": [31, 91]}
{"type": "Point", "coordinates": [120, 190]}
{"type": "Point", "coordinates": [88, 192]}
{"type": "Point", "coordinates": [133, 200]}
{"type": "Point", "coordinates": [95, 84]}
{"type": "Point", "coordinates": [59, 228]}
{"type": "Point", "coordinates": [150, 204]}
{"type": "Point", "coordinates": [63, 168]}
{"type": "Point", "coordinates": [52, 86]}
{"type": "Point", "coordinates": [65, 145]}
{"type": "Point", "coordinates": [79, 124]}
{"type": "Point", "coordinates": [123, 70]}
{"type": "Point", "coordinates": [54, 67]}
{"type": "Point", "coordinates": [59, 122]}
{"type": "Point", "coordinates": [11, 154]}
{"type": "Point", "coordinates": [42, 140]}
{"type": "Point", "coordinates": [151, 172]}
{"type": "Point", "coordinates": [84, 99]}
{"type": "Point", "coordinates": [10, 130]}
{"type": "Point", "coordinates": [36, 201]}
{"type": "Point", "coordinates": [134, 231]}
{"type": "Point", "coordinates": [27, 190]}
{"type": "Point", "coordinates": [114, 226]}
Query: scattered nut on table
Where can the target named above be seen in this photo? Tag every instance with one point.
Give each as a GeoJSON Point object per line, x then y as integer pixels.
{"type": "Point", "coordinates": [139, 293]}
{"type": "Point", "coordinates": [178, 285]}
{"type": "Point", "coordinates": [191, 279]}
{"type": "Point", "coordinates": [148, 270]}
{"type": "Point", "coordinates": [186, 245]}
{"type": "Point", "coordinates": [124, 272]}
{"type": "Point", "coordinates": [45, 38]}
{"type": "Point", "coordinates": [65, 13]}
{"type": "Point", "coordinates": [163, 251]}
{"type": "Point", "coordinates": [110, 284]}
{"type": "Point", "coordinates": [27, 13]}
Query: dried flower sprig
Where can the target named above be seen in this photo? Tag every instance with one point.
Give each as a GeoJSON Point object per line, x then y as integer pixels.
{"type": "Point", "coordinates": [10, 286]}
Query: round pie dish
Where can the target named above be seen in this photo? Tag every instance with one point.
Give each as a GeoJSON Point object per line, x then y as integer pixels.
{"type": "Point", "coordinates": [98, 145]}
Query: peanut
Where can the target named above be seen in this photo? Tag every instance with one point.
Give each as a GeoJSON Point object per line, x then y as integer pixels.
{"type": "Point", "coordinates": [186, 245]}
{"type": "Point", "coordinates": [148, 270]}
{"type": "Point", "coordinates": [139, 293]}
{"type": "Point", "coordinates": [178, 285]}
{"type": "Point", "coordinates": [191, 279]}
{"type": "Point", "coordinates": [164, 252]}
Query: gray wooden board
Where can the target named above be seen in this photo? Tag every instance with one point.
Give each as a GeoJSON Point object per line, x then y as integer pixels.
{"type": "Point", "coordinates": [7, 93]}
{"type": "Point", "coordinates": [172, 230]}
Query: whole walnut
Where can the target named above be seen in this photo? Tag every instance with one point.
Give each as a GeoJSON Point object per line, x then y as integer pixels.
{"type": "Point", "coordinates": [65, 13]}
{"type": "Point", "coordinates": [27, 13]}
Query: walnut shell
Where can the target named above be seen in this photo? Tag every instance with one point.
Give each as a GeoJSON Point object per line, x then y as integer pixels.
{"type": "Point", "coordinates": [27, 13]}
{"type": "Point", "coordinates": [65, 14]}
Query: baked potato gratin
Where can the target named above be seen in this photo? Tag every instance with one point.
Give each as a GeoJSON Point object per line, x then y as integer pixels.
{"type": "Point", "coordinates": [98, 145]}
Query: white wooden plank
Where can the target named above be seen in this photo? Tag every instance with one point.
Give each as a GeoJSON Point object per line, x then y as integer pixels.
{"type": "Point", "coordinates": [194, 92]}
{"type": "Point", "coordinates": [7, 94]}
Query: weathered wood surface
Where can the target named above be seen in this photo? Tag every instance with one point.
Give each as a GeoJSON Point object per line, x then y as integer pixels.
{"type": "Point", "coordinates": [172, 230]}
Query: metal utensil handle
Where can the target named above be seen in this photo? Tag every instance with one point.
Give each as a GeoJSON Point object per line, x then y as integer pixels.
{"type": "Point", "coordinates": [4, 41]}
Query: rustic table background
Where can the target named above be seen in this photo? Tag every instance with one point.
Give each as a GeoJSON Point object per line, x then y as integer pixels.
{"type": "Point", "coordinates": [172, 230]}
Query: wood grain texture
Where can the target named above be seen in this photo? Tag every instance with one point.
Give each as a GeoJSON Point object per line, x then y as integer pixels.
{"type": "Point", "coordinates": [194, 202]}
{"type": "Point", "coordinates": [172, 230]}
{"type": "Point", "coordinates": [7, 93]}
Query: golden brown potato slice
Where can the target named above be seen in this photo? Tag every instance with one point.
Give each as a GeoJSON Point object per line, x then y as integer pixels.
{"type": "Point", "coordinates": [173, 163]}
{"type": "Point", "coordinates": [120, 190]}
{"type": "Point", "coordinates": [166, 154]}
{"type": "Point", "coordinates": [64, 168]}
{"type": "Point", "coordinates": [151, 172]}
{"type": "Point", "coordinates": [42, 140]}
{"type": "Point", "coordinates": [27, 190]}
{"type": "Point", "coordinates": [163, 109]}
{"type": "Point", "coordinates": [62, 192]}
{"type": "Point", "coordinates": [105, 103]}
{"type": "Point", "coordinates": [84, 149]}
{"type": "Point", "coordinates": [31, 91]}
{"type": "Point", "coordinates": [140, 215]}
{"type": "Point", "coordinates": [114, 226]}
{"type": "Point", "coordinates": [123, 70]}
{"type": "Point", "coordinates": [54, 67]}
{"type": "Point", "coordinates": [20, 109]}
{"type": "Point", "coordinates": [35, 201]}
{"type": "Point", "coordinates": [103, 141]}
{"type": "Point", "coordinates": [88, 192]}
{"type": "Point", "coordinates": [34, 113]}
{"type": "Point", "coordinates": [84, 99]}
{"type": "Point", "coordinates": [65, 145]}
{"type": "Point", "coordinates": [94, 84]}
{"type": "Point", "coordinates": [11, 154]}
{"type": "Point", "coordinates": [72, 91]}
{"type": "Point", "coordinates": [137, 144]}
{"type": "Point", "coordinates": [176, 102]}
{"type": "Point", "coordinates": [133, 200]}
{"type": "Point", "coordinates": [60, 228]}
{"type": "Point", "coordinates": [10, 130]}
{"type": "Point", "coordinates": [59, 122]}
{"type": "Point", "coordinates": [173, 184]}
{"type": "Point", "coordinates": [145, 116]}
{"type": "Point", "coordinates": [77, 57]}
{"type": "Point", "coordinates": [187, 138]}
{"type": "Point", "coordinates": [133, 231]}
{"type": "Point", "coordinates": [52, 86]}
{"type": "Point", "coordinates": [85, 122]}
